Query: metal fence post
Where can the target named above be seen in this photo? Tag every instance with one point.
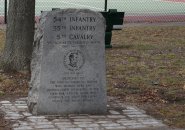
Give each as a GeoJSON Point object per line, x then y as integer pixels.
{"type": "Point", "coordinates": [5, 12]}
{"type": "Point", "coordinates": [105, 5]}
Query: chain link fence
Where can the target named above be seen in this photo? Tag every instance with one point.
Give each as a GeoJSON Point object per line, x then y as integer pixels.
{"type": "Point", "coordinates": [135, 10]}
{"type": "Point", "coordinates": [2, 11]}
{"type": "Point", "coordinates": [149, 7]}
{"type": "Point", "coordinates": [150, 10]}
{"type": "Point", "coordinates": [45, 5]}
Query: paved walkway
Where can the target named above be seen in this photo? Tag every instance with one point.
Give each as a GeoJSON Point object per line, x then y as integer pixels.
{"type": "Point", "coordinates": [119, 117]}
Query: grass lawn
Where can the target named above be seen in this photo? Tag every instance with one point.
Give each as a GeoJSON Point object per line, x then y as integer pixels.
{"type": "Point", "coordinates": [2, 40]}
{"type": "Point", "coordinates": [145, 67]}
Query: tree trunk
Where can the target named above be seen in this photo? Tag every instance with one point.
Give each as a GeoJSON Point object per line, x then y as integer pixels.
{"type": "Point", "coordinates": [19, 35]}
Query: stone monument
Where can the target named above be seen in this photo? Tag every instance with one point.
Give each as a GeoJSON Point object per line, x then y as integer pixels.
{"type": "Point", "coordinates": [68, 64]}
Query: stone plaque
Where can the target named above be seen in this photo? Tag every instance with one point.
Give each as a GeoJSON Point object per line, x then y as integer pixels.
{"type": "Point", "coordinates": [68, 65]}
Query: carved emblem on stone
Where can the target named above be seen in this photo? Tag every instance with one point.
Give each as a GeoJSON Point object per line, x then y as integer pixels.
{"type": "Point", "coordinates": [74, 60]}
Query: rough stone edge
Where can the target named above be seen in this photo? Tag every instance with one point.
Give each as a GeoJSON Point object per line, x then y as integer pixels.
{"type": "Point", "coordinates": [34, 83]}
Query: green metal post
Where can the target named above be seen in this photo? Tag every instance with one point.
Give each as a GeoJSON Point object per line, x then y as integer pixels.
{"type": "Point", "coordinates": [5, 12]}
{"type": "Point", "coordinates": [105, 5]}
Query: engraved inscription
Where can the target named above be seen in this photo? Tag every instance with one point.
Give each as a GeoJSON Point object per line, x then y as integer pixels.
{"type": "Point", "coordinates": [82, 28]}
{"type": "Point", "coordinates": [80, 37]}
{"type": "Point", "coordinates": [82, 19]}
{"type": "Point", "coordinates": [58, 19]}
{"type": "Point", "coordinates": [73, 89]}
{"type": "Point", "coordinates": [77, 35]}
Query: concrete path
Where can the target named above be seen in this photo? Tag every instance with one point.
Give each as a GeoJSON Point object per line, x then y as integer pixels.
{"type": "Point", "coordinates": [119, 117]}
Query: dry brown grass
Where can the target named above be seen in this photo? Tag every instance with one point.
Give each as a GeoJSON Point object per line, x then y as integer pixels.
{"type": "Point", "coordinates": [146, 66]}
{"type": "Point", "coordinates": [2, 40]}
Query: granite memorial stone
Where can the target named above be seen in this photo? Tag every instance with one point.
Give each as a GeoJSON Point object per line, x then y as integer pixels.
{"type": "Point", "coordinates": [68, 64]}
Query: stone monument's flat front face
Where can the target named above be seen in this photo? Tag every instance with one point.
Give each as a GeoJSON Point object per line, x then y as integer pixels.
{"type": "Point", "coordinates": [72, 77]}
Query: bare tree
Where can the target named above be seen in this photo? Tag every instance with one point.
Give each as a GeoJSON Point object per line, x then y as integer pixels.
{"type": "Point", "coordinates": [19, 35]}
